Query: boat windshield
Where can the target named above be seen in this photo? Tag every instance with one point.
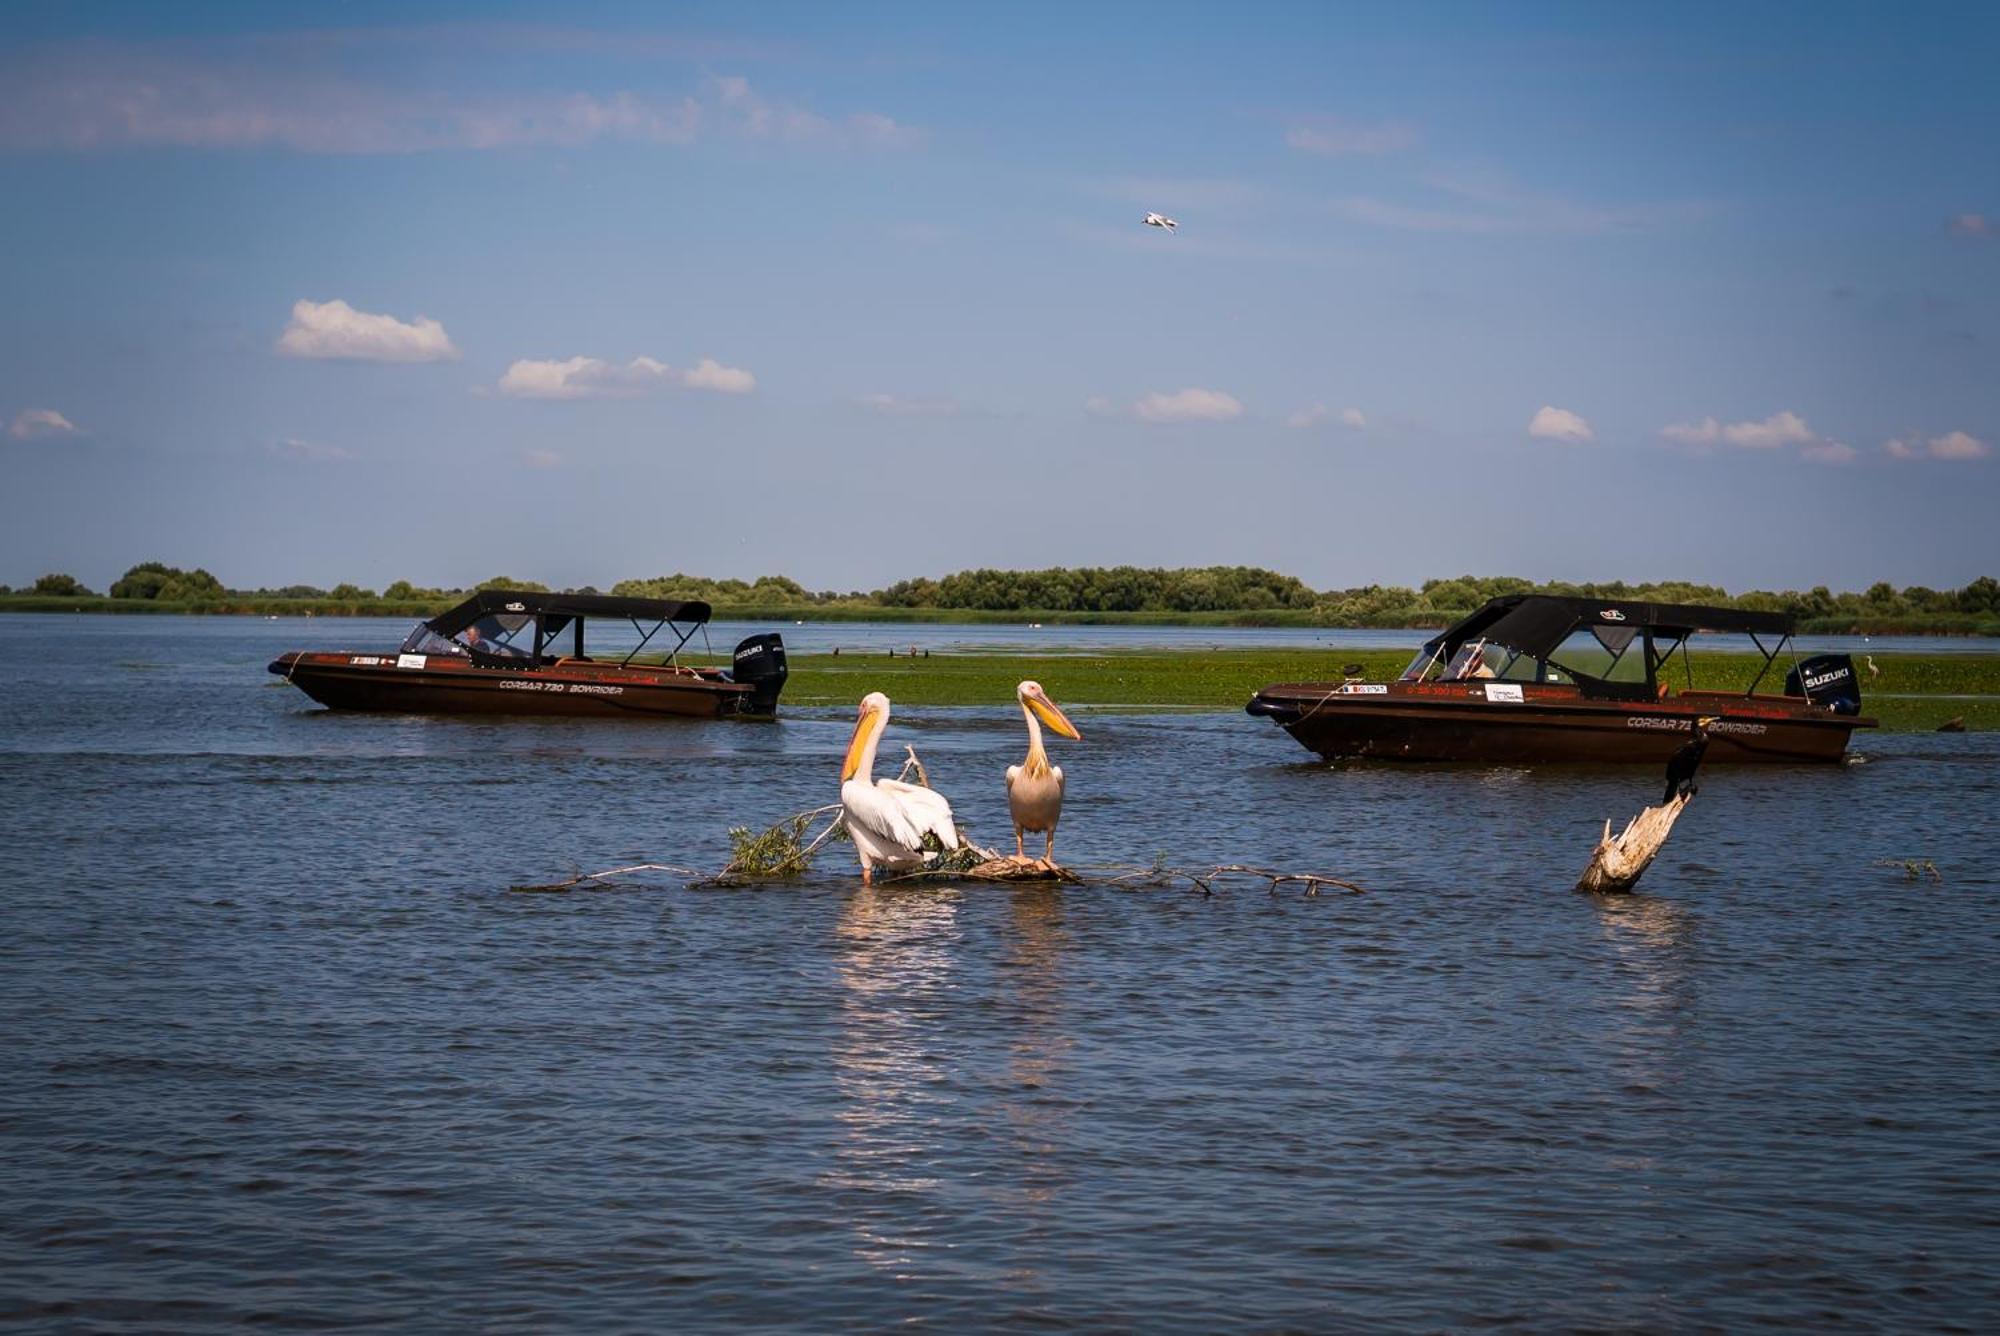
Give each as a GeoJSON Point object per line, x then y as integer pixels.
{"type": "Point", "coordinates": [423, 640]}
{"type": "Point", "coordinates": [1479, 660]}
{"type": "Point", "coordinates": [493, 635]}
{"type": "Point", "coordinates": [1419, 666]}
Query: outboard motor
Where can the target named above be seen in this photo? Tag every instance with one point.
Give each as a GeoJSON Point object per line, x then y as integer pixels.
{"type": "Point", "coordinates": [760, 662]}
{"type": "Point", "coordinates": [1828, 681]}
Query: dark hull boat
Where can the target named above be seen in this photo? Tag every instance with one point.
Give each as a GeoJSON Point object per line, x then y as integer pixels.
{"type": "Point", "coordinates": [1533, 678]}
{"type": "Point", "coordinates": [497, 653]}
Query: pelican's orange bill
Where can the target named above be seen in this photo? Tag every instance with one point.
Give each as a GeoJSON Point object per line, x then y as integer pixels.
{"type": "Point", "coordinates": [855, 744]}
{"type": "Point", "coordinates": [1052, 716]}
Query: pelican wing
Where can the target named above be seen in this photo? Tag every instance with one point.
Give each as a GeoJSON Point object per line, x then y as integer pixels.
{"type": "Point", "coordinates": [926, 810]}
{"type": "Point", "coordinates": [878, 822]}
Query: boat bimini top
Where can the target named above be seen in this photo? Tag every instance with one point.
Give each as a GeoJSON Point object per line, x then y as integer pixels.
{"type": "Point", "coordinates": [489, 626]}
{"type": "Point", "coordinates": [1551, 638]}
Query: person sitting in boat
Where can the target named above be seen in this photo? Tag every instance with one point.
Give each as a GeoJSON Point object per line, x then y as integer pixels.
{"type": "Point", "coordinates": [482, 637]}
{"type": "Point", "coordinates": [1470, 662]}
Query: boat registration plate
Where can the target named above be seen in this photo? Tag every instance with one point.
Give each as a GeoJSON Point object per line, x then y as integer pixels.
{"type": "Point", "coordinates": [1510, 692]}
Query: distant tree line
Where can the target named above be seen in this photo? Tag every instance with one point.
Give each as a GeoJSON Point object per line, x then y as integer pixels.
{"type": "Point", "coordinates": [1132, 589]}
{"type": "Point", "coordinates": [1112, 589]}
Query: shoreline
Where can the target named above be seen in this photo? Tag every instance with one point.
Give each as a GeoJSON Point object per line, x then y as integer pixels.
{"type": "Point", "coordinates": [1957, 626]}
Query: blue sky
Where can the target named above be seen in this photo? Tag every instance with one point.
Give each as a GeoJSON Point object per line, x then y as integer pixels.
{"type": "Point", "coordinates": [856, 293]}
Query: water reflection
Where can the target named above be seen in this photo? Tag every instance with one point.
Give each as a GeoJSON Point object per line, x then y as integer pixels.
{"type": "Point", "coordinates": [898, 949]}
{"type": "Point", "coordinates": [1652, 942]}
{"type": "Point", "coordinates": [1653, 988]}
{"type": "Point", "coordinates": [1037, 1110]}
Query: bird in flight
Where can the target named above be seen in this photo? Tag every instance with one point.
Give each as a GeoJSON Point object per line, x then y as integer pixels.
{"type": "Point", "coordinates": [1161, 220]}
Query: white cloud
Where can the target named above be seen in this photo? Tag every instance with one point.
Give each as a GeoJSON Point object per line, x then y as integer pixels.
{"type": "Point", "coordinates": [1705, 432]}
{"type": "Point", "coordinates": [542, 459]}
{"type": "Point", "coordinates": [898, 405]}
{"type": "Point", "coordinates": [1189, 405]}
{"type": "Point", "coordinates": [748, 113]}
{"type": "Point", "coordinates": [1829, 452]}
{"type": "Point", "coordinates": [336, 330]}
{"type": "Point", "coordinates": [1559, 424]}
{"type": "Point", "coordinates": [1785, 428]}
{"type": "Point", "coordinates": [1972, 225]}
{"type": "Point", "coordinates": [1331, 136]}
{"type": "Point", "coordinates": [1772, 433]}
{"type": "Point", "coordinates": [709, 374]}
{"type": "Point", "coordinates": [33, 423]}
{"type": "Point", "coordinates": [1958, 445]}
{"type": "Point", "coordinates": [298, 91]}
{"type": "Point", "coordinates": [312, 452]}
{"type": "Point", "coordinates": [581, 378]}
{"type": "Point", "coordinates": [1779, 429]}
{"type": "Point", "coordinates": [1897, 447]}
{"type": "Point", "coordinates": [1351, 418]}
{"type": "Point", "coordinates": [594, 378]}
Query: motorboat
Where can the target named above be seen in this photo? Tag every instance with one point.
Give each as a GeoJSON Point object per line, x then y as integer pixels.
{"type": "Point", "coordinates": [1535, 677]}
{"type": "Point", "coordinates": [507, 651]}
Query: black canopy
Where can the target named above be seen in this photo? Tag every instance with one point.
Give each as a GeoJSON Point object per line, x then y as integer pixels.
{"type": "Point", "coordinates": [1535, 624]}
{"type": "Point", "coordinates": [554, 609]}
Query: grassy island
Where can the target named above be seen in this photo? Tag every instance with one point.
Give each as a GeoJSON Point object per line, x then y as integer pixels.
{"type": "Point", "coordinates": [1914, 692]}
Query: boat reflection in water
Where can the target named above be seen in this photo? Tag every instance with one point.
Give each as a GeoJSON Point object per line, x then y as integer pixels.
{"type": "Point", "coordinates": [1530, 678]}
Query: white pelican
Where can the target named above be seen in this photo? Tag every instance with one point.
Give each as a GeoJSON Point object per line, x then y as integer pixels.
{"type": "Point", "coordinates": [887, 818]}
{"type": "Point", "coordinates": [1035, 788]}
{"type": "Point", "coordinates": [1161, 220]}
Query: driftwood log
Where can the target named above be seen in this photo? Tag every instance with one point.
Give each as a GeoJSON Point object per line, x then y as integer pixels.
{"type": "Point", "coordinates": [1618, 861]}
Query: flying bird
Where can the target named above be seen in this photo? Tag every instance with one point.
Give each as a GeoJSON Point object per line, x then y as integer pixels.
{"type": "Point", "coordinates": [887, 818]}
{"type": "Point", "coordinates": [1035, 788]}
{"type": "Point", "coordinates": [1161, 220]}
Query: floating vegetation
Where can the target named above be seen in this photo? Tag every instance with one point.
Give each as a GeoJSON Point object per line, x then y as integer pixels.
{"type": "Point", "coordinates": [781, 850]}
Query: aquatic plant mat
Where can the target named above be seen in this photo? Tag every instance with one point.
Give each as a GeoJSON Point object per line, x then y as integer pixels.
{"type": "Point", "coordinates": [785, 851]}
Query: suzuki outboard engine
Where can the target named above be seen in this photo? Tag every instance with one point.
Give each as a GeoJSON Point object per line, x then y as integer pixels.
{"type": "Point", "coordinates": [1828, 681]}
{"type": "Point", "coordinates": [760, 662]}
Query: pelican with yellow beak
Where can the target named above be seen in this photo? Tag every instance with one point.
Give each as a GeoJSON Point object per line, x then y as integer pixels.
{"type": "Point", "coordinates": [1034, 787]}
{"type": "Point", "coordinates": [887, 818]}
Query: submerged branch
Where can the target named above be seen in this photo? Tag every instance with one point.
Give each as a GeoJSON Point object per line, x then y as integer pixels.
{"type": "Point", "coordinates": [603, 877]}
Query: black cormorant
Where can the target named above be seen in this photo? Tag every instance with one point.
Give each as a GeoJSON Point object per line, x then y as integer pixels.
{"type": "Point", "coordinates": [1680, 770]}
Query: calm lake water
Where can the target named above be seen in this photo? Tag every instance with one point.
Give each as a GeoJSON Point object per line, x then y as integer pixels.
{"type": "Point", "coordinates": [282, 1048]}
